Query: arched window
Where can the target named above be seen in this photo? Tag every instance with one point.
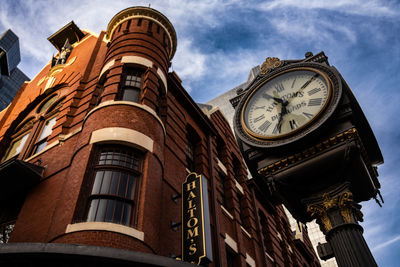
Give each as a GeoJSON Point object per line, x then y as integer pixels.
{"type": "Point", "coordinates": [115, 187]}
{"type": "Point", "coordinates": [19, 139]}
{"type": "Point", "coordinates": [16, 145]}
{"type": "Point", "coordinates": [39, 126]}
{"type": "Point", "coordinates": [47, 113]}
{"type": "Point", "coordinates": [43, 107]}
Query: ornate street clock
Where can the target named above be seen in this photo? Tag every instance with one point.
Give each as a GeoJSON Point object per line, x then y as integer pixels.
{"type": "Point", "coordinates": [288, 104]}
{"type": "Point", "coordinates": [309, 146]}
{"type": "Point", "coordinates": [300, 130]}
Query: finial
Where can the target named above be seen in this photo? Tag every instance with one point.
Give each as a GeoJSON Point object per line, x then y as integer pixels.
{"type": "Point", "coordinates": [308, 54]}
{"type": "Point", "coordinates": [149, 5]}
{"type": "Point", "coordinates": [270, 64]}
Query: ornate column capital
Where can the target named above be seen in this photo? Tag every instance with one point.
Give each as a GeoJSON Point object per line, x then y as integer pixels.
{"type": "Point", "coordinates": [334, 207]}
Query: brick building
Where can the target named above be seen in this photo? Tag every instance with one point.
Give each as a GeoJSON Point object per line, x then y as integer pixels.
{"type": "Point", "coordinates": [94, 151]}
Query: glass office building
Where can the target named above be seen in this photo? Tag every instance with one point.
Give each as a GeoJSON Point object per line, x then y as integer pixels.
{"type": "Point", "coordinates": [11, 78]}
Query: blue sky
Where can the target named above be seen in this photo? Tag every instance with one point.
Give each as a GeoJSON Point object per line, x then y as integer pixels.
{"type": "Point", "coordinates": [220, 41]}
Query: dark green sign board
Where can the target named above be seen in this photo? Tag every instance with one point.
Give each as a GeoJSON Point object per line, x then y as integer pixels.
{"type": "Point", "coordinates": [196, 234]}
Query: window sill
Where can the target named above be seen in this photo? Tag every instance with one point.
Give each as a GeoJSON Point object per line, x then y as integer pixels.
{"type": "Point", "coordinates": [239, 187]}
{"type": "Point", "coordinates": [49, 146]}
{"type": "Point", "coordinates": [105, 226]}
{"type": "Point", "coordinates": [245, 231]}
{"type": "Point", "coordinates": [227, 212]}
{"type": "Point", "coordinates": [222, 167]}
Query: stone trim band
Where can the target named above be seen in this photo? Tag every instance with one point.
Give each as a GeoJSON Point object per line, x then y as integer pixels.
{"type": "Point", "coordinates": [105, 226]}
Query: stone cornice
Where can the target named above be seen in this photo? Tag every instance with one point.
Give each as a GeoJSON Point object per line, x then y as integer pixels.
{"type": "Point", "coordinates": [326, 144]}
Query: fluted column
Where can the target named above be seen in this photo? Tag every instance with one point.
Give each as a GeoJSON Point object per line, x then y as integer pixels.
{"type": "Point", "coordinates": [338, 215]}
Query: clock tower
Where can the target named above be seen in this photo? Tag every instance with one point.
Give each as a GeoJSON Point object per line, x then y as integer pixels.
{"type": "Point", "coordinates": [309, 146]}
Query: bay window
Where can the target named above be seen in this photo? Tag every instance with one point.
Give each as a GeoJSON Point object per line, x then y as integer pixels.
{"type": "Point", "coordinates": [116, 177]}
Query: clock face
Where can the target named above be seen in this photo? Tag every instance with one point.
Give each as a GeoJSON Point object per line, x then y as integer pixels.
{"type": "Point", "coordinates": [286, 103]}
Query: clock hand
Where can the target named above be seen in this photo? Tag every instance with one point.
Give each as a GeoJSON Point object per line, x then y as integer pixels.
{"type": "Point", "coordinates": [265, 95]}
{"type": "Point", "coordinates": [308, 82]}
{"type": "Point", "coordinates": [283, 113]}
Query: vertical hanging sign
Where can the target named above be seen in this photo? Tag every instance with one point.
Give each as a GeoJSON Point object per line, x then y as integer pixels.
{"type": "Point", "coordinates": [196, 234]}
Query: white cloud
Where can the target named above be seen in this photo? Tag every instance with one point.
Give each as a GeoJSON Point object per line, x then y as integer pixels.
{"type": "Point", "coordinates": [189, 62]}
{"type": "Point", "coordinates": [387, 243]}
{"type": "Point", "coordinates": [356, 7]}
{"type": "Point", "coordinates": [182, 12]}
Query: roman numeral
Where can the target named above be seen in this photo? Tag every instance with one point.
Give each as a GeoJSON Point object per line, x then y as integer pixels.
{"type": "Point", "coordinates": [259, 118]}
{"type": "Point", "coordinates": [279, 87]}
{"type": "Point", "coordinates": [308, 115]}
{"type": "Point", "coordinates": [315, 102]}
{"type": "Point", "coordinates": [264, 127]}
{"type": "Point", "coordinates": [276, 129]}
{"type": "Point", "coordinates": [293, 124]}
{"type": "Point", "coordinates": [293, 82]}
{"type": "Point", "coordinates": [313, 91]}
{"type": "Point", "coordinates": [262, 107]}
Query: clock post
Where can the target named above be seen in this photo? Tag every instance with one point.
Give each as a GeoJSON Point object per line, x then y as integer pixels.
{"type": "Point", "coordinates": [338, 215]}
{"type": "Point", "coordinates": [309, 146]}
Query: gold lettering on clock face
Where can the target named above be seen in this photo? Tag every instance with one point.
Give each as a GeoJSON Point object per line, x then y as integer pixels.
{"type": "Point", "coordinates": [286, 103]}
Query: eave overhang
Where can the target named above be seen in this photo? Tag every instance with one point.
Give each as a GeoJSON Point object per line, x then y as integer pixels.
{"type": "Point", "coordinates": [70, 31]}
{"type": "Point", "coordinates": [17, 176]}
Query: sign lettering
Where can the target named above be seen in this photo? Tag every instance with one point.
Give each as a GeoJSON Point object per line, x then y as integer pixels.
{"type": "Point", "coordinates": [196, 234]}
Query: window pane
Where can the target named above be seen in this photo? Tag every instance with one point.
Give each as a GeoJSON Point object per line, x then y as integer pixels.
{"type": "Point", "coordinates": [47, 104]}
{"type": "Point", "coordinates": [102, 159]}
{"type": "Point", "coordinates": [17, 146]}
{"type": "Point", "coordinates": [97, 182]}
{"type": "Point", "coordinates": [109, 157]}
{"type": "Point", "coordinates": [122, 185]}
{"type": "Point", "coordinates": [106, 182]}
{"type": "Point", "coordinates": [135, 163]}
{"type": "Point", "coordinates": [101, 210]}
{"type": "Point", "coordinates": [133, 80]}
{"type": "Point", "coordinates": [118, 211]}
{"type": "Point", "coordinates": [122, 159]}
{"type": "Point", "coordinates": [110, 211]}
{"type": "Point", "coordinates": [116, 157]}
{"type": "Point", "coordinates": [92, 210]}
{"type": "Point", "coordinates": [131, 187]}
{"type": "Point", "coordinates": [114, 183]}
{"type": "Point", "coordinates": [48, 125]}
{"type": "Point", "coordinates": [128, 161]}
{"type": "Point", "coordinates": [126, 216]}
{"type": "Point", "coordinates": [130, 94]}
{"type": "Point", "coordinates": [189, 150]}
{"type": "Point", "coordinates": [40, 146]}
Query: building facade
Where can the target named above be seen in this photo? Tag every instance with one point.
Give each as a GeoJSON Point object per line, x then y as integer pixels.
{"type": "Point", "coordinates": [94, 151]}
{"type": "Point", "coordinates": [11, 77]}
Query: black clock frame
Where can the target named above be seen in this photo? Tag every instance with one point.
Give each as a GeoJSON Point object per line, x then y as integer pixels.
{"type": "Point", "coordinates": [336, 87]}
